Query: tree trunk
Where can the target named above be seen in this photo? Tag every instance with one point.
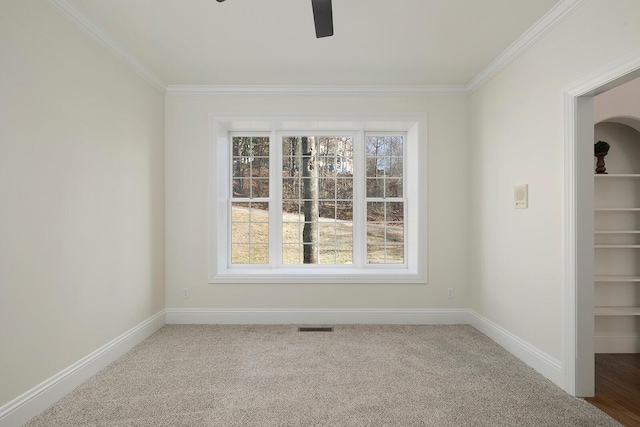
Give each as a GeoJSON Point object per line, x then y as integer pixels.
{"type": "Point", "coordinates": [310, 194]}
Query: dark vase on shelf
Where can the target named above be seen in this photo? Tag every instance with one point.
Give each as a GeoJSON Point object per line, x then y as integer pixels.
{"type": "Point", "coordinates": [600, 150]}
{"type": "Point", "coordinates": [600, 168]}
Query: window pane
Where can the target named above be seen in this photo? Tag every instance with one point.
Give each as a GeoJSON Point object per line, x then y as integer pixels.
{"type": "Point", "coordinates": [327, 209]}
{"type": "Point", "coordinates": [249, 233]}
{"type": "Point", "coordinates": [344, 232]}
{"type": "Point", "coordinates": [375, 232]}
{"type": "Point", "coordinates": [291, 254]}
{"type": "Point", "coordinates": [291, 232]}
{"type": "Point", "coordinates": [241, 188]}
{"type": "Point", "coordinates": [385, 168]}
{"type": "Point", "coordinates": [328, 254]}
{"type": "Point", "coordinates": [344, 189]}
{"type": "Point", "coordinates": [259, 188]}
{"type": "Point", "coordinates": [375, 187]}
{"type": "Point", "coordinates": [241, 169]}
{"type": "Point", "coordinates": [327, 188]}
{"type": "Point", "coordinates": [375, 211]}
{"type": "Point", "coordinates": [327, 232]}
{"type": "Point", "coordinates": [344, 212]}
{"type": "Point", "coordinates": [396, 167]}
{"type": "Point", "coordinates": [240, 232]}
{"type": "Point", "coordinates": [240, 212]}
{"type": "Point", "coordinates": [259, 212]}
{"type": "Point", "coordinates": [395, 232]}
{"type": "Point", "coordinates": [372, 170]}
{"type": "Point", "coordinates": [316, 178]}
{"type": "Point", "coordinates": [393, 187]}
{"type": "Point", "coordinates": [259, 254]}
{"type": "Point", "coordinates": [291, 188]}
{"type": "Point", "coordinates": [395, 254]}
{"type": "Point", "coordinates": [241, 146]}
{"type": "Point", "coordinates": [260, 146]}
{"type": "Point", "coordinates": [259, 232]}
{"type": "Point", "coordinates": [394, 211]}
{"type": "Point", "coordinates": [344, 253]}
{"type": "Point", "coordinates": [240, 254]}
{"type": "Point", "coordinates": [250, 166]}
{"type": "Point", "coordinates": [385, 254]}
{"type": "Point", "coordinates": [385, 232]}
{"type": "Point", "coordinates": [260, 167]}
{"type": "Point", "coordinates": [375, 254]}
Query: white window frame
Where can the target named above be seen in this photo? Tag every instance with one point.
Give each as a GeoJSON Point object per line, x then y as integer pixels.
{"type": "Point", "coordinates": [413, 126]}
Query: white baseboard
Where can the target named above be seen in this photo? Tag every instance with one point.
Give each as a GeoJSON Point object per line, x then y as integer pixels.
{"type": "Point", "coordinates": [36, 400]}
{"type": "Point", "coordinates": [205, 316]}
{"type": "Point", "coordinates": [546, 365]}
{"type": "Point", "coordinates": [617, 344]}
{"type": "Point", "coordinates": [33, 402]}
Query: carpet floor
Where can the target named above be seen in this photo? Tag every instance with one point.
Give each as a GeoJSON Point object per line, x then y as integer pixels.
{"type": "Point", "coordinates": [358, 375]}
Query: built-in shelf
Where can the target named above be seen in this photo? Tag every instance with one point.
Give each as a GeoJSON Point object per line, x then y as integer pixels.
{"type": "Point", "coordinates": [617, 196]}
{"type": "Point", "coordinates": [617, 311]}
{"type": "Point", "coordinates": [617, 246]}
{"type": "Point", "coordinates": [617, 209]}
{"type": "Point", "coordinates": [617, 278]}
{"type": "Point", "coordinates": [617, 175]}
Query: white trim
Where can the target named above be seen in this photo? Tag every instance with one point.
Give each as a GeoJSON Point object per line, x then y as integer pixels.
{"type": "Point", "coordinates": [606, 344]}
{"type": "Point", "coordinates": [600, 78]}
{"type": "Point", "coordinates": [217, 90]}
{"type": "Point", "coordinates": [81, 21]}
{"type": "Point", "coordinates": [414, 125]}
{"type": "Point", "coordinates": [33, 402]}
{"type": "Point", "coordinates": [546, 365]}
{"type": "Point", "coordinates": [545, 24]}
{"type": "Point", "coordinates": [214, 316]}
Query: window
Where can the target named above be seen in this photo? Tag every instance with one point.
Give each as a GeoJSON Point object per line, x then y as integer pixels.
{"type": "Point", "coordinates": [317, 199]}
{"type": "Point", "coordinates": [384, 198]}
{"type": "Point", "coordinates": [323, 205]}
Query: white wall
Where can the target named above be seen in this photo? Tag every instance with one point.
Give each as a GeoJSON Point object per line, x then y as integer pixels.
{"type": "Point", "coordinates": [187, 151]}
{"type": "Point", "coordinates": [618, 103]}
{"type": "Point", "coordinates": [81, 196]}
{"type": "Point", "coordinates": [517, 138]}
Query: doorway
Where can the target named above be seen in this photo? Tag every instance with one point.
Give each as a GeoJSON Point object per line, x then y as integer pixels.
{"type": "Point", "coordinates": [578, 350]}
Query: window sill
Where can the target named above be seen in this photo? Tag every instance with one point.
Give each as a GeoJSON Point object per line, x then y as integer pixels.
{"type": "Point", "coordinates": [319, 276]}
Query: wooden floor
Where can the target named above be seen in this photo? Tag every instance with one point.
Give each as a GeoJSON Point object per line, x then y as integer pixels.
{"type": "Point", "coordinates": [618, 387]}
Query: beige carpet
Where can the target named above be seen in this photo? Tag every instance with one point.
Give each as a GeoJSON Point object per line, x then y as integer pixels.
{"type": "Point", "coordinates": [355, 376]}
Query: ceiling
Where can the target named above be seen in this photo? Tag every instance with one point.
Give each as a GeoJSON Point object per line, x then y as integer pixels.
{"type": "Point", "coordinates": [272, 42]}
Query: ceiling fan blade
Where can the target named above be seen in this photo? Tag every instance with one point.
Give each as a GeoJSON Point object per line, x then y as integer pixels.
{"type": "Point", "coordinates": [323, 17]}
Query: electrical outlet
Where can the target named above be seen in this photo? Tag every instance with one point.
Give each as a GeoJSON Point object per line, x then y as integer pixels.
{"type": "Point", "coordinates": [186, 293]}
{"type": "Point", "coordinates": [450, 293]}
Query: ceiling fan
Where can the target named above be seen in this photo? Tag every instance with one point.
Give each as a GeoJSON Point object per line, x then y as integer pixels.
{"type": "Point", "coordinates": [322, 16]}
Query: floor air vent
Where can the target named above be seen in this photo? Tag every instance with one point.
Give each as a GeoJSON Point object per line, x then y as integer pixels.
{"type": "Point", "coordinates": [316, 329]}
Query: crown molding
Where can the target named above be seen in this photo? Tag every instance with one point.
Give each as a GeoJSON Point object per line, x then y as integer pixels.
{"type": "Point", "coordinates": [598, 81]}
{"type": "Point", "coordinates": [545, 24]}
{"type": "Point", "coordinates": [313, 90]}
{"type": "Point", "coordinates": [85, 24]}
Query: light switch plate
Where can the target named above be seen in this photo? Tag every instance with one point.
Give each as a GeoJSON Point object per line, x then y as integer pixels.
{"type": "Point", "coordinates": [521, 196]}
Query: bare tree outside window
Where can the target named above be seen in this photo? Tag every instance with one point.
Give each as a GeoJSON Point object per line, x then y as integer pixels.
{"type": "Point", "coordinates": [317, 193]}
